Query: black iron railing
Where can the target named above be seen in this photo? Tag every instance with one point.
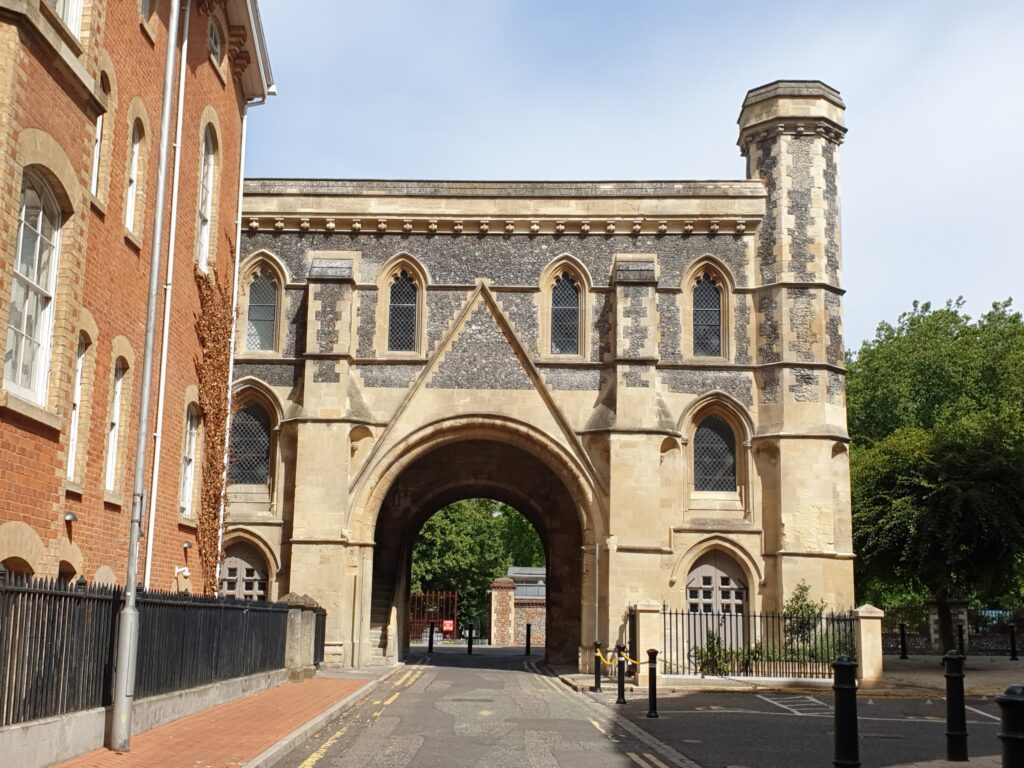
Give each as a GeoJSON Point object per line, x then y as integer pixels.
{"type": "Point", "coordinates": [186, 641]}
{"type": "Point", "coordinates": [56, 647]}
{"type": "Point", "coordinates": [57, 644]}
{"type": "Point", "coordinates": [801, 645]}
{"type": "Point", "coordinates": [319, 636]}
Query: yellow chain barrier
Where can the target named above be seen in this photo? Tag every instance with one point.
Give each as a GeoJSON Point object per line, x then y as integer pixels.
{"type": "Point", "coordinates": [611, 663]}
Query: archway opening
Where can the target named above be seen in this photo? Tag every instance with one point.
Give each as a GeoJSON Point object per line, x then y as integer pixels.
{"type": "Point", "coordinates": [477, 565]}
{"type": "Point", "coordinates": [474, 469]}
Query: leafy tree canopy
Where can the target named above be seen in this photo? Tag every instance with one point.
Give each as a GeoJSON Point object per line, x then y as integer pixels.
{"type": "Point", "coordinates": [466, 545]}
{"type": "Point", "coordinates": [936, 413]}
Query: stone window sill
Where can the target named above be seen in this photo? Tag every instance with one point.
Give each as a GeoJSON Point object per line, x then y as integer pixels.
{"type": "Point", "coordinates": [72, 488]}
{"type": "Point", "coordinates": [98, 205]}
{"type": "Point", "coordinates": [69, 38]}
{"type": "Point", "coordinates": [41, 19]}
{"type": "Point", "coordinates": [112, 499]}
{"type": "Point", "coordinates": [185, 521]}
{"type": "Point", "coordinates": [134, 241]}
{"type": "Point", "coordinates": [218, 68]}
{"type": "Point", "coordinates": [708, 501]}
{"type": "Point", "coordinates": [14, 404]}
{"type": "Point", "coordinates": [148, 27]}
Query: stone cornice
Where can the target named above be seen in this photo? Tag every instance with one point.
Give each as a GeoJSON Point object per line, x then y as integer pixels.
{"type": "Point", "coordinates": [502, 226]}
{"type": "Point", "coordinates": [505, 208]}
{"type": "Point", "coordinates": [788, 126]}
{"type": "Point", "coordinates": [377, 188]}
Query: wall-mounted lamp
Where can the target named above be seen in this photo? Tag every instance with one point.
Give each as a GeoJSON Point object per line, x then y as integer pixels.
{"type": "Point", "coordinates": [186, 545]}
{"type": "Point", "coordinates": [70, 517]}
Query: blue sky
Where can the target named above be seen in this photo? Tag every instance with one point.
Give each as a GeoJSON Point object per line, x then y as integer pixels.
{"type": "Point", "coordinates": [932, 171]}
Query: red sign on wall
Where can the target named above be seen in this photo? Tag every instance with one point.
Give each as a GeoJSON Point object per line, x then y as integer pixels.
{"type": "Point", "coordinates": [448, 625]}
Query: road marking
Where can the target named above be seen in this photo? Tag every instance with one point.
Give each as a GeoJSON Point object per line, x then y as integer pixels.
{"type": "Point", "coordinates": [636, 759]}
{"type": "Point", "coordinates": [655, 760]}
{"type": "Point", "coordinates": [401, 680]}
{"type": "Point", "coordinates": [982, 712]}
{"type": "Point", "coordinates": [799, 705]}
{"type": "Point", "coordinates": [315, 758]}
{"type": "Point", "coordinates": [387, 701]}
{"type": "Point", "coordinates": [598, 726]}
{"type": "Point", "coordinates": [414, 678]}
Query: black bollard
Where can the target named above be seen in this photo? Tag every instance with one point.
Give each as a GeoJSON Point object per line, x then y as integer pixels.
{"type": "Point", "coordinates": [1011, 705]}
{"type": "Point", "coordinates": [956, 713]}
{"type": "Point", "coordinates": [903, 641]}
{"type": "Point", "coordinates": [527, 639]}
{"type": "Point", "coordinates": [1013, 642]}
{"type": "Point", "coordinates": [469, 645]}
{"type": "Point", "coordinates": [620, 651]}
{"type": "Point", "coordinates": [844, 700]}
{"type": "Point", "coordinates": [597, 668]}
{"type": "Point", "coordinates": [652, 683]}
{"type": "Point", "coordinates": [430, 640]}
{"type": "Point", "coordinates": [960, 639]}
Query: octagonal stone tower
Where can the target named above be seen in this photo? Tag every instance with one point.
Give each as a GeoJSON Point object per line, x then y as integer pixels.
{"type": "Point", "coordinates": [790, 132]}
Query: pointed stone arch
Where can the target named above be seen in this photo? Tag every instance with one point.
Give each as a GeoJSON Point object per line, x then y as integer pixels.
{"type": "Point", "coordinates": [265, 263]}
{"type": "Point", "coordinates": [747, 562]}
{"type": "Point", "coordinates": [555, 270]}
{"type": "Point", "coordinates": [708, 266]}
{"type": "Point", "coordinates": [401, 262]}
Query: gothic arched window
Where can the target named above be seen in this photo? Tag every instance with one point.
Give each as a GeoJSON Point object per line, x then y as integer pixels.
{"type": "Point", "coordinates": [565, 316]}
{"type": "Point", "coordinates": [714, 456]}
{"type": "Point", "coordinates": [707, 318]}
{"type": "Point", "coordinates": [250, 446]}
{"type": "Point", "coordinates": [261, 325]}
{"type": "Point", "coordinates": [402, 314]}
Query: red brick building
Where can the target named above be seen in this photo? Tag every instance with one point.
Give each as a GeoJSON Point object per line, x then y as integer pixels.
{"type": "Point", "coordinates": [81, 89]}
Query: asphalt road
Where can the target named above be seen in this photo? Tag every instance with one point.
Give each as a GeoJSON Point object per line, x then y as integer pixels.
{"type": "Point", "coordinates": [783, 730]}
{"type": "Point", "coordinates": [500, 710]}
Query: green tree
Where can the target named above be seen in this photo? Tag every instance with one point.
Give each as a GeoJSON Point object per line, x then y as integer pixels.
{"type": "Point", "coordinates": [936, 413]}
{"type": "Point", "coordinates": [466, 545]}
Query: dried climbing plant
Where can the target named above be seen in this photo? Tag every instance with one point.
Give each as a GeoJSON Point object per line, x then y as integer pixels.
{"type": "Point", "coordinates": [213, 326]}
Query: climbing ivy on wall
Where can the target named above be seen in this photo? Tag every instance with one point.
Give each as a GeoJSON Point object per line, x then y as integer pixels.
{"type": "Point", "coordinates": [213, 327]}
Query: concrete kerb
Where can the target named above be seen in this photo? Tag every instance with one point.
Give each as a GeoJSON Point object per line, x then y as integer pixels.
{"type": "Point", "coordinates": [285, 746]}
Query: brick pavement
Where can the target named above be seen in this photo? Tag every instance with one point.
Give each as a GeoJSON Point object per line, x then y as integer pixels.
{"type": "Point", "coordinates": [227, 735]}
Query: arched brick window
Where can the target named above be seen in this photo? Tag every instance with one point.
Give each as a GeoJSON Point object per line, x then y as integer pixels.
{"type": "Point", "coordinates": [250, 446]}
{"type": "Point", "coordinates": [714, 456]}
{"type": "Point", "coordinates": [707, 317]}
{"type": "Point", "coordinates": [30, 313]}
{"type": "Point", "coordinates": [565, 316]}
{"type": "Point", "coordinates": [206, 203]}
{"type": "Point", "coordinates": [402, 331]}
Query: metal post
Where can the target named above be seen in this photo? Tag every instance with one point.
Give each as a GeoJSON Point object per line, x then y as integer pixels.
{"type": "Point", "coordinates": [620, 651]}
{"type": "Point", "coordinates": [903, 641]}
{"type": "Point", "coordinates": [597, 668]}
{"type": "Point", "coordinates": [1011, 705]}
{"type": "Point", "coordinates": [956, 713]}
{"type": "Point", "coordinates": [469, 645]}
{"type": "Point", "coordinates": [844, 699]}
{"type": "Point", "coordinates": [960, 639]}
{"type": "Point", "coordinates": [430, 640]}
{"type": "Point", "coordinates": [527, 639]}
{"type": "Point", "coordinates": [652, 683]}
{"type": "Point", "coordinates": [128, 626]}
{"type": "Point", "coordinates": [1013, 642]}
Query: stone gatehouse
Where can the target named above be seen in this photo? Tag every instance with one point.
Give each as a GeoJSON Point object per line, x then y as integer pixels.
{"type": "Point", "coordinates": [651, 372]}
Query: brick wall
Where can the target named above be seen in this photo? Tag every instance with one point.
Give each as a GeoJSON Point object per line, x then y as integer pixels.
{"type": "Point", "coordinates": [103, 276]}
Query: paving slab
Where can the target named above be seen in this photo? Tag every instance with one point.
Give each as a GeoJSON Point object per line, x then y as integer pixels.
{"type": "Point", "coordinates": [255, 732]}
